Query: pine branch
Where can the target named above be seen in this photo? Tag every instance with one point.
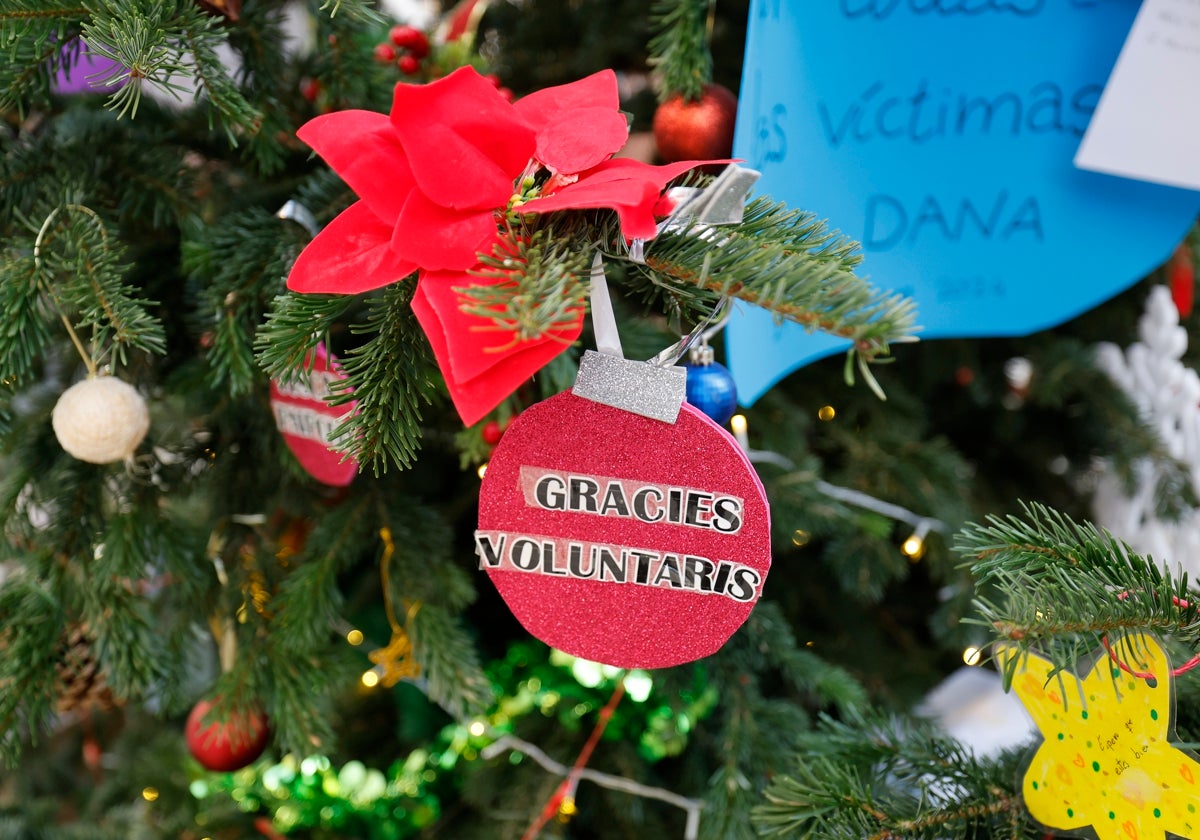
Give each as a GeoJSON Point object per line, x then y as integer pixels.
{"type": "Point", "coordinates": [793, 265]}
{"type": "Point", "coordinates": [24, 330]}
{"type": "Point", "coordinates": [357, 9]}
{"type": "Point", "coordinates": [679, 50]}
{"type": "Point", "coordinates": [449, 662]}
{"type": "Point", "coordinates": [160, 42]}
{"type": "Point", "coordinates": [12, 10]}
{"type": "Point", "coordinates": [423, 567]}
{"type": "Point", "coordinates": [539, 285]}
{"type": "Point", "coordinates": [885, 779]}
{"type": "Point", "coordinates": [293, 328]}
{"type": "Point", "coordinates": [77, 266]}
{"type": "Point", "coordinates": [37, 46]}
{"type": "Point", "coordinates": [309, 599]}
{"type": "Point", "coordinates": [239, 267]}
{"type": "Point", "coordinates": [202, 38]}
{"type": "Point", "coordinates": [1065, 585]}
{"type": "Point", "coordinates": [261, 40]}
{"type": "Point", "coordinates": [390, 376]}
{"type": "Point", "coordinates": [32, 624]}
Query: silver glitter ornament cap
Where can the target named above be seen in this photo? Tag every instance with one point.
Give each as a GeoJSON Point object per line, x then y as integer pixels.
{"type": "Point", "coordinates": [651, 390]}
{"type": "Point", "coordinates": [655, 389]}
{"type": "Point", "coordinates": [640, 387]}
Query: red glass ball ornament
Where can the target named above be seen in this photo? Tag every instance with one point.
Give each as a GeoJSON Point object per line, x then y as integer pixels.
{"type": "Point", "coordinates": [228, 745]}
{"type": "Point", "coordinates": [699, 130]}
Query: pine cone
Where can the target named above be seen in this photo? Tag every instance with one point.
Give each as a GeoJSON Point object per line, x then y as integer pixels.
{"type": "Point", "coordinates": [82, 684]}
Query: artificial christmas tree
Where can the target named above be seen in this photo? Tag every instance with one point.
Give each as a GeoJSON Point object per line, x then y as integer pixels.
{"type": "Point", "coordinates": [152, 232]}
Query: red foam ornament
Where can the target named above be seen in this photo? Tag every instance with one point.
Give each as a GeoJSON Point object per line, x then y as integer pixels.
{"type": "Point", "coordinates": [227, 745]}
{"type": "Point", "coordinates": [305, 419]}
{"type": "Point", "coordinates": [622, 539]}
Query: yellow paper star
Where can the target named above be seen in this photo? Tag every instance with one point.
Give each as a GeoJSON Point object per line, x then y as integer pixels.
{"type": "Point", "coordinates": [1106, 760]}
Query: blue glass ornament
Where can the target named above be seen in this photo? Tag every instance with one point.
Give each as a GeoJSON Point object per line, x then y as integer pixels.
{"type": "Point", "coordinates": [710, 385]}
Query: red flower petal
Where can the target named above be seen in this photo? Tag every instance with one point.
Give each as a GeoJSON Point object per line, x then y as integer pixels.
{"type": "Point", "coordinates": [362, 147]}
{"type": "Point", "coordinates": [477, 361]}
{"type": "Point", "coordinates": [465, 142]}
{"type": "Point", "coordinates": [630, 187]}
{"type": "Point", "coordinates": [583, 138]}
{"type": "Point", "coordinates": [578, 124]}
{"type": "Point", "coordinates": [543, 107]}
{"type": "Point", "coordinates": [352, 254]}
{"type": "Point", "coordinates": [435, 237]}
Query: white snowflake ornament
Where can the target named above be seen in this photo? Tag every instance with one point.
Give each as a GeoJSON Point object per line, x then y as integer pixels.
{"type": "Point", "coordinates": [100, 420]}
{"type": "Point", "coordinates": [1167, 394]}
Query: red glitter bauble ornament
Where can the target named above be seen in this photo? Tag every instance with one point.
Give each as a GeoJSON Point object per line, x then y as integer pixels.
{"type": "Point", "coordinates": [228, 745]}
{"type": "Point", "coordinates": [699, 130]}
{"type": "Point", "coordinates": [624, 540]}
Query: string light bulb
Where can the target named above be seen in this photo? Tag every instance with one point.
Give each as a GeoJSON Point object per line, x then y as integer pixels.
{"type": "Point", "coordinates": [482, 471]}
{"type": "Point", "coordinates": [826, 413]}
{"type": "Point", "coordinates": [972, 655]}
{"type": "Point", "coordinates": [738, 424]}
{"type": "Point", "coordinates": [370, 678]}
{"type": "Point", "coordinates": [567, 808]}
{"type": "Point", "coordinates": [354, 637]}
{"type": "Point", "coordinates": [914, 547]}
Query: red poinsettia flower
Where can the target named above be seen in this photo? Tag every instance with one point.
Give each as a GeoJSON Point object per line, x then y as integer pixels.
{"type": "Point", "coordinates": [433, 178]}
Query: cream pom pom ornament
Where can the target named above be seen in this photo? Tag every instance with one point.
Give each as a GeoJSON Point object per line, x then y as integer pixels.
{"type": "Point", "coordinates": [100, 419]}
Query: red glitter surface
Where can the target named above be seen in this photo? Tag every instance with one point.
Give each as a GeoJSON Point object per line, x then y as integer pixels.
{"type": "Point", "coordinates": [626, 625]}
{"type": "Point", "coordinates": [323, 463]}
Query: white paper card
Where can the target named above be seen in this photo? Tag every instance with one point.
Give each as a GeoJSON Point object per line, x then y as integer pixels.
{"type": "Point", "coordinates": [1147, 124]}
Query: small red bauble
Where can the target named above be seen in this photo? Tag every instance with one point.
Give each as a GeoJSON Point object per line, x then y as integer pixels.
{"type": "Point", "coordinates": [228, 745]}
{"type": "Point", "coordinates": [699, 130]}
{"type": "Point", "coordinates": [385, 53]}
{"type": "Point", "coordinates": [1182, 276]}
{"type": "Point", "coordinates": [410, 38]}
{"type": "Point", "coordinates": [491, 433]}
{"type": "Point", "coordinates": [310, 88]}
{"type": "Point", "coordinates": [409, 65]}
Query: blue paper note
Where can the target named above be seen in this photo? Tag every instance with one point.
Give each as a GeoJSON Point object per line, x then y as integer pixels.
{"type": "Point", "coordinates": [940, 134]}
